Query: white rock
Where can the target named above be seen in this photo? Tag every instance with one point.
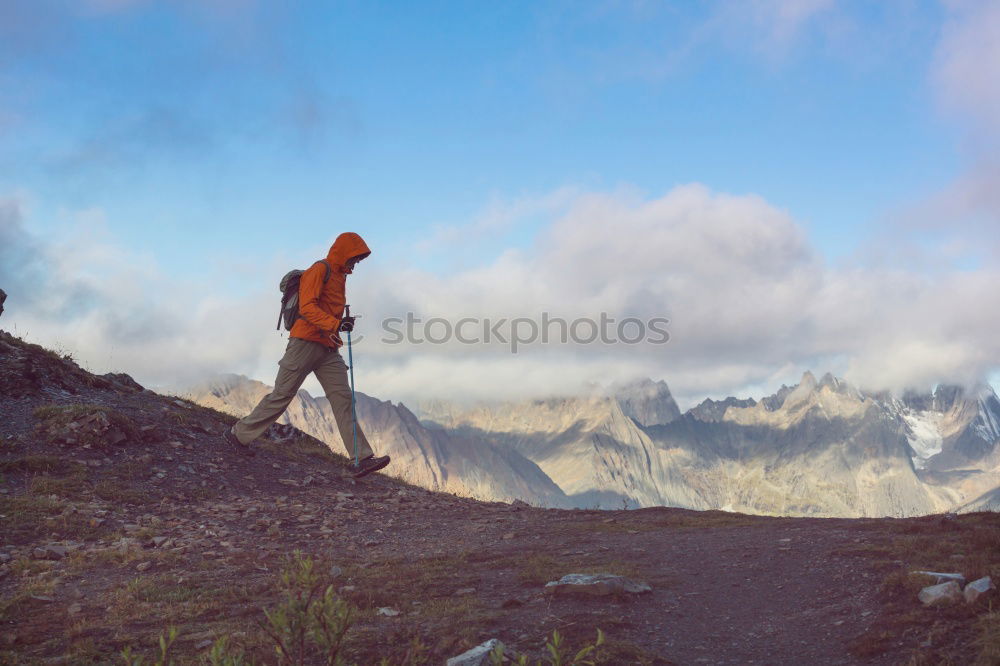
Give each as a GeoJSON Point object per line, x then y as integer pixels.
{"type": "Point", "coordinates": [595, 585]}
{"type": "Point", "coordinates": [477, 656]}
{"type": "Point", "coordinates": [388, 612]}
{"type": "Point", "coordinates": [943, 577]}
{"type": "Point", "coordinates": [977, 588]}
{"type": "Point", "coordinates": [942, 593]}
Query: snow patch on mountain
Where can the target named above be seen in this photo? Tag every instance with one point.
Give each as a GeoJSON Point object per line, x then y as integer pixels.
{"type": "Point", "coordinates": [924, 435]}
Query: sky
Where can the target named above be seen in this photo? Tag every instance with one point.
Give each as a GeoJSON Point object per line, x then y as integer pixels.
{"type": "Point", "coordinates": [794, 184]}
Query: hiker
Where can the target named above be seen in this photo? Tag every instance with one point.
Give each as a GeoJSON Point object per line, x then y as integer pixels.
{"type": "Point", "coordinates": [3, 297]}
{"type": "Point", "coordinates": [314, 346]}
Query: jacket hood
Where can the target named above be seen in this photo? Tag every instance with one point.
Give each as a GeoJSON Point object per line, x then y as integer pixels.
{"type": "Point", "coordinates": [347, 246]}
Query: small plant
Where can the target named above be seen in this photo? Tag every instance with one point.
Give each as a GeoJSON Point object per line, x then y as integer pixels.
{"type": "Point", "coordinates": [416, 655]}
{"type": "Point", "coordinates": [222, 655]}
{"type": "Point", "coordinates": [166, 642]}
{"type": "Point", "coordinates": [311, 621]}
{"type": "Point", "coordinates": [558, 654]}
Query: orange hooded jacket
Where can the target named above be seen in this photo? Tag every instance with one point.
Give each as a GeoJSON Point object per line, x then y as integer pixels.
{"type": "Point", "coordinates": [322, 305]}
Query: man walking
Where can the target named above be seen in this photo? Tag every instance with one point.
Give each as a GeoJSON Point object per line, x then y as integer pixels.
{"type": "Point", "coordinates": [313, 346]}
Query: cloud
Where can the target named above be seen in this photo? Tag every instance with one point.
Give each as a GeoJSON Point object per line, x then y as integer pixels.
{"type": "Point", "coordinates": [963, 76]}
{"type": "Point", "coordinates": [498, 217]}
{"type": "Point", "coordinates": [967, 64]}
{"type": "Point", "coordinates": [225, 75]}
{"type": "Point", "coordinates": [132, 140]}
{"type": "Point", "coordinates": [751, 305]}
{"type": "Point", "coordinates": [116, 311]}
{"type": "Point", "coordinates": [776, 23]}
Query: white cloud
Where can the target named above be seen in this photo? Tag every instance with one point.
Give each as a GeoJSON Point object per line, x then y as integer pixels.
{"type": "Point", "coordinates": [779, 22]}
{"type": "Point", "coordinates": [117, 311]}
{"type": "Point", "coordinates": [967, 63]}
{"type": "Point", "coordinates": [964, 77]}
{"type": "Point", "coordinates": [751, 305]}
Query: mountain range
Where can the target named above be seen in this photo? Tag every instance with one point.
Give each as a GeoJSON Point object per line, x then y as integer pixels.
{"type": "Point", "coordinates": [819, 448]}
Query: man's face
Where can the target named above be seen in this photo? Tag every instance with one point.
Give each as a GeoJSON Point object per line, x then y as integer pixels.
{"type": "Point", "coordinates": [351, 263]}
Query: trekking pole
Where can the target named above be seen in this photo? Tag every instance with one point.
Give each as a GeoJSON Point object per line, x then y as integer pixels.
{"type": "Point", "coordinates": [354, 413]}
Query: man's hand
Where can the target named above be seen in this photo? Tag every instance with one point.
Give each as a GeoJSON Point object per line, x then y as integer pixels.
{"type": "Point", "coordinates": [347, 324]}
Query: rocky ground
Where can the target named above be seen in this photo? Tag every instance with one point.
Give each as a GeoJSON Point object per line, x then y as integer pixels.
{"type": "Point", "coordinates": [123, 514]}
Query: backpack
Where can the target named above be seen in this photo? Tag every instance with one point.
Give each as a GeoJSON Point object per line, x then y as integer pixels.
{"type": "Point", "coordinates": [289, 287]}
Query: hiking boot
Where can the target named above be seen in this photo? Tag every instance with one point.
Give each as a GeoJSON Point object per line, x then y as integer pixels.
{"type": "Point", "coordinates": [368, 465]}
{"type": "Point", "coordinates": [229, 437]}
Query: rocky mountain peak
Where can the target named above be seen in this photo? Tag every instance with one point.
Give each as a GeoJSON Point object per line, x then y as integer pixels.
{"type": "Point", "coordinates": [648, 402]}
{"type": "Point", "coordinates": [709, 410]}
{"type": "Point", "coordinates": [801, 393]}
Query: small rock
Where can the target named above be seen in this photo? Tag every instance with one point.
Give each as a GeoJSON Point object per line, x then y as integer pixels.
{"type": "Point", "coordinates": [465, 591]}
{"type": "Point", "coordinates": [208, 642]}
{"type": "Point", "coordinates": [477, 656]}
{"type": "Point", "coordinates": [143, 566]}
{"type": "Point", "coordinates": [158, 541]}
{"type": "Point", "coordinates": [51, 552]}
{"type": "Point", "coordinates": [508, 536]}
{"type": "Point", "coordinates": [511, 603]}
{"type": "Point", "coordinates": [347, 588]}
{"type": "Point", "coordinates": [598, 585]}
{"type": "Point", "coordinates": [41, 599]}
{"type": "Point", "coordinates": [4, 558]}
{"type": "Point", "coordinates": [306, 481]}
{"type": "Point", "coordinates": [336, 572]}
{"type": "Point", "coordinates": [388, 612]}
{"type": "Point", "coordinates": [943, 593]}
{"type": "Point", "coordinates": [74, 609]}
{"type": "Point", "coordinates": [978, 588]}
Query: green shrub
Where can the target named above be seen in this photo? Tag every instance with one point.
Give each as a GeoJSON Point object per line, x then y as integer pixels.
{"type": "Point", "coordinates": [558, 654]}
{"type": "Point", "coordinates": [311, 621]}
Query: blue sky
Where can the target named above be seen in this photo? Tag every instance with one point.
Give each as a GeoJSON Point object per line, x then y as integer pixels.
{"type": "Point", "coordinates": [208, 142]}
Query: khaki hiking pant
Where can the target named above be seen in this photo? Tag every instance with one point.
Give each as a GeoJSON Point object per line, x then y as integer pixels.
{"type": "Point", "coordinates": [302, 357]}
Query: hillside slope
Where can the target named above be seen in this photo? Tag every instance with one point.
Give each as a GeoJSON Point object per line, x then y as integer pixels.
{"type": "Point", "coordinates": [123, 514]}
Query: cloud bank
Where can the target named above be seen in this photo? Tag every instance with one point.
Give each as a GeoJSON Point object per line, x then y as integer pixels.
{"type": "Point", "coordinates": [751, 304]}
